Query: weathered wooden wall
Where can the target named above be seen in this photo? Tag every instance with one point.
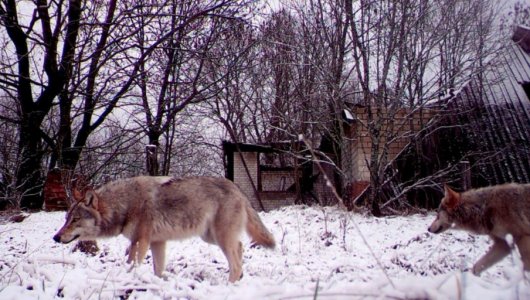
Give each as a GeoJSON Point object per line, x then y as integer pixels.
{"type": "Point", "coordinates": [486, 125]}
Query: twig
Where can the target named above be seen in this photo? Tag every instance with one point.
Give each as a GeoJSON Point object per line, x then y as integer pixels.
{"type": "Point", "coordinates": [26, 257]}
{"type": "Point", "coordinates": [103, 284]}
{"type": "Point", "coordinates": [315, 294]}
{"type": "Point", "coordinates": [349, 295]}
{"type": "Point", "coordinates": [53, 260]}
{"type": "Point", "coordinates": [341, 202]}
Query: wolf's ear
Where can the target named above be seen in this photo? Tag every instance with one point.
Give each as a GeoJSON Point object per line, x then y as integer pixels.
{"type": "Point", "coordinates": [91, 199]}
{"type": "Point", "coordinates": [451, 198]}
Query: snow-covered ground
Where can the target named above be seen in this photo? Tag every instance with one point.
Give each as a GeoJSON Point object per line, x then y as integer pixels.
{"type": "Point", "coordinates": [324, 251]}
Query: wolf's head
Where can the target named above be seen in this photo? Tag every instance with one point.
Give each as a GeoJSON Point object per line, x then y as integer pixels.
{"type": "Point", "coordinates": [444, 218]}
{"type": "Point", "coordinates": [82, 220]}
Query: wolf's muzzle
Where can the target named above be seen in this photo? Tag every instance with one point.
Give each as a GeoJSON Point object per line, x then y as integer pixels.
{"type": "Point", "coordinates": [435, 230]}
{"type": "Point", "coordinates": [57, 238]}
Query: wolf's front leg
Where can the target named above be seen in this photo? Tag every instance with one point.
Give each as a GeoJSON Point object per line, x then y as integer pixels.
{"type": "Point", "coordinates": [137, 252]}
{"type": "Point", "coordinates": [498, 251]}
{"type": "Point", "coordinates": [158, 249]}
{"type": "Point", "coordinates": [131, 252]}
{"type": "Point", "coordinates": [139, 243]}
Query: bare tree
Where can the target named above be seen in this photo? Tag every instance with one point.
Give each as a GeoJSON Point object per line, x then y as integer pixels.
{"type": "Point", "coordinates": [326, 69]}
{"type": "Point", "coordinates": [72, 78]}
{"type": "Point", "coordinates": [318, 58]}
{"type": "Point", "coordinates": [233, 67]}
{"type": "Point", "coordinates": [400, 49]}
{"type": "Point", "coordinates": [174, 75]}
{"type": "Point", "coordinates": [97, 68]}
{"type": "Point", "coordinates": [9, 158]}
{"type": "Point", "coordinates": [36, 89]}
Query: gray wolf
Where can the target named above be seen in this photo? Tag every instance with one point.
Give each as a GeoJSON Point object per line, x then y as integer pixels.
{"type": "Point", "coordinates": [152, 210]}
{"type": "Point", "coordinates": [496, 211]}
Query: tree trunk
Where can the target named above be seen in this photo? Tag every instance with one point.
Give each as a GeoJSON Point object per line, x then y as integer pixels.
{"type": "Point", "coordinates": [29, 175]}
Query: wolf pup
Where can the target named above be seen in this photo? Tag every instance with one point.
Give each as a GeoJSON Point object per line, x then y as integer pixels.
{"type": "Point", "coordinates": [496, 211]}
{"type": "Point", "coordinates": [151, 210]}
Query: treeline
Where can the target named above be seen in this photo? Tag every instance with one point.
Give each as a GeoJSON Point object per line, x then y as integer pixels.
{"type": "Point", "coordinates": [88, 86]}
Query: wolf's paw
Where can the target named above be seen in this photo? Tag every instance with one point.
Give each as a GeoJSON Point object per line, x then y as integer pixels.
{"type": "Point", "coordinates": [164, 276]}
{"type": "Point", "coordinates": [476, 271]}
{"type": "Point", "coordinates": [132, 266]}
{"type": "Point", "coordinates": [132, 258]}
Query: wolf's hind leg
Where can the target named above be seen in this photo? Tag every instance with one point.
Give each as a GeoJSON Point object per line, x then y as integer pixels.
{"type": "Point", "coordinates": [523, 244]}
{"type": "Point", "coordinates": [498, 251]}
{"type": "Point", "coordinates": [226, 230]}
{"type": "Point", "coordinates": [158, 249]}
{"type": "Point", "coordinates": [233, 250]}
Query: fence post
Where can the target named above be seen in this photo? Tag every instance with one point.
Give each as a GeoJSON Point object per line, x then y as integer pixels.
{"type": "Point", "coordinates": [151, 160]}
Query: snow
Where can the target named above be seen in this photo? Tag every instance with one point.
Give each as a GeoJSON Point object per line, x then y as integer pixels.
{"type": "Point", "coordinates": [323, 253]}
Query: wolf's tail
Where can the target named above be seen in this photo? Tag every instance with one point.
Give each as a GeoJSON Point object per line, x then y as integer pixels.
{"type": "Point", "coordinates": [256, 229]}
